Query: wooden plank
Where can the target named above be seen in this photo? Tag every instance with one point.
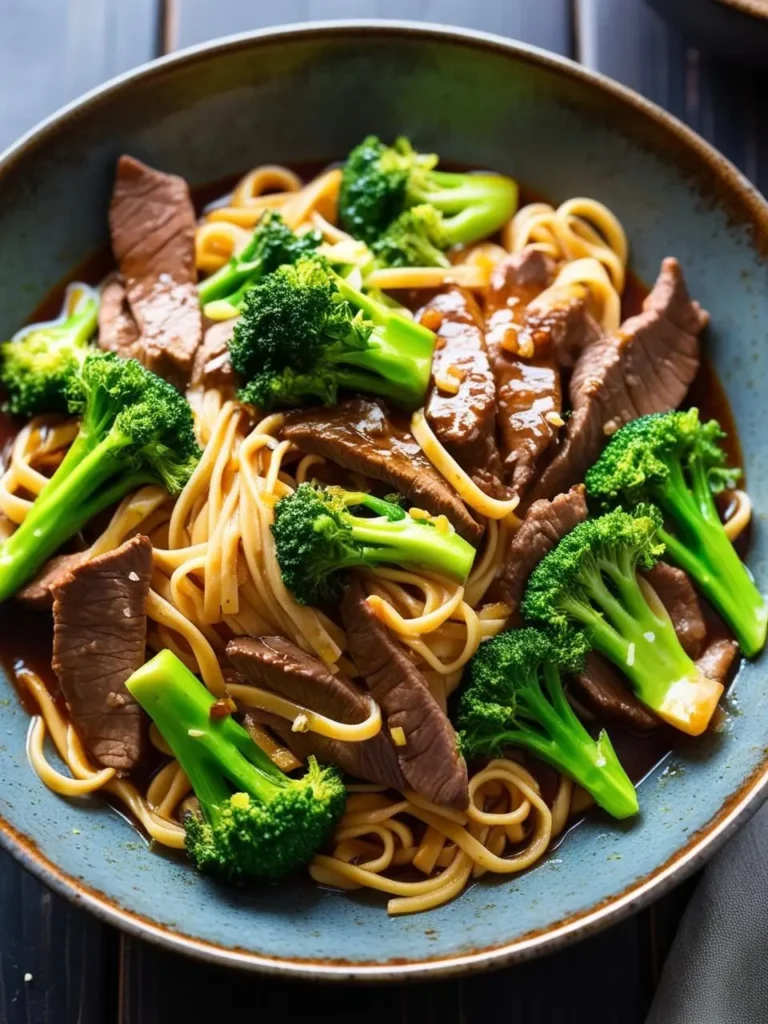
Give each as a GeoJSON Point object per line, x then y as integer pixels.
{"type": "Point", "coordinates": [57, 963]}
{"type": "Point", "coordinates": [544, 23]}
{"type": "Point", "coordinates": [56, 960]}
{"type": "Point", "coordinates": [54, 50]}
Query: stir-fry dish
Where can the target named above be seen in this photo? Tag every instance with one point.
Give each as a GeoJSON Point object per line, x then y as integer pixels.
{"type": "Point", "coordinates": [374, 523]}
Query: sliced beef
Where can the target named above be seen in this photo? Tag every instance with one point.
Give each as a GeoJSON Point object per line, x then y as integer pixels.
{"type": "Point", "coordinates": [99, 640]}
{"type": "Point", "coordinates": [609, 695]}
{"type": "Point", "coordinates": [152, 221]}
{"type": "Point", "coordinates": [717, 659]}
{"type": "Point", "coordinates": [678, 596]}
{"type": "Point", "coordinates": [37, 595]}
{"type": "Point", "coordinates": [362, 435]}
{"type": "Point", "coordinates": [558, 320]}
{"type": "Point", "coordinates": [118, 332]}
{"type": "Point", "coordinates": [528, 389]}
{"type": "Point", "coordinates": [645, 367]}
{"type": "Point", "coordinates": [276, 664]}
{"type": "Point", "coordinates": [544, 526]}
{"type": "Point", "coordinates": [212, 368]}
{"type": "Point", "coordinates": [429, 760]}
{"type": "Point", "coordinates": [461, 403]}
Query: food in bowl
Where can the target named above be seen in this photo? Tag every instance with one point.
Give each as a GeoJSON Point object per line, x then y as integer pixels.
{"type": "Point", "coordinates": [374, 522]}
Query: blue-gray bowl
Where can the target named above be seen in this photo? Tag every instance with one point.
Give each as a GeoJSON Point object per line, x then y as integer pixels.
{"type": "Point", "coordinates": [309, 93]}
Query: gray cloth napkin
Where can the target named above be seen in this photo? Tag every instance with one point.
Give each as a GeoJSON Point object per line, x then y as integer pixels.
{"type": "Point", "coordinates": [717, 971]}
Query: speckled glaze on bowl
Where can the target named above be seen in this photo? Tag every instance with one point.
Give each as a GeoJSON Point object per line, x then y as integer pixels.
{"type": "Point", "coordinates": [309, 93]}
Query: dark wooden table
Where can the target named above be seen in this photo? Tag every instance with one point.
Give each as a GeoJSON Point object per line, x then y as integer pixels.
{"type": "Point", "coordinates": [59, 965]}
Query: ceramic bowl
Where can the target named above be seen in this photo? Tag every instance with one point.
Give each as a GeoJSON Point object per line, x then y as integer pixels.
{"type": "Point", "coordinates": [310, 93]}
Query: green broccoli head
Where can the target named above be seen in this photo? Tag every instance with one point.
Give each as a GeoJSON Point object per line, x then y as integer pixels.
{"type": "Point", "coordinates": [135, 429]}
{"type": "Point", "coordinates": [318, 536]}
{"type": "Point", "coordinates": [618, 542]}
{"type": "Point", "coordinates": [678, 462]}
{"type": "Point", "coordinates": [37, 366]}
{"type": "Point", "coordinates": [256, 824]}
{"type": "Point", "coordinates": [651, 452]}
{"type": "Point", "coordinates": [514, 697]}
{"type": "Point", "coordinates": [247, 839]}
{"type": "Point", "coordinates": [380, 182]}
{"type": "Point", "coordinates": [272, 245]}
{"type": "Point", "coordinates": [305, 333]}
{"type": "Point", "coordinates": [374, 185]}
{"type": "Point", "coordinates": [415, 239]}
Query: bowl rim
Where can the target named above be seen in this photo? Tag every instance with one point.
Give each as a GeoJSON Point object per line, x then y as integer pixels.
{"type": "Point", "coordinates": [736, 809]}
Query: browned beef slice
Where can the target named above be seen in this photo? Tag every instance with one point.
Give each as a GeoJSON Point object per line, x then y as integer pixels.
{"type": "Point", "coordinates": [645, 367]}
{"type": "Point", "coordinates": [274, 663]}
{"type": "Point", "coordinates": [37, 595]}
{"type": "Point", "coordinates": [608, 693]}
{"type": "Point", "coordinates": [544, 526]}
{"type": "Point", "coordinates": [429, 760]}
{"type": "Point", "coordinates": [363, 435]}
{"type": "Point", "coordinates": [117, 329]}
{"type": "Point", "coordinates": [212, 368]}
{"type": "Point", "coordinates": [717, 659]}
{"type": "Point", "coordinates": [152, 222]}
{"type": "Point", "coordinates": [528, 389]}
{"type": "Point", "coordinates": [678, 596]}
{"type": "Point", "coordinates": [99, 640]}
{"type": "Point", "coordinates": [464, 421]}
{"type": "Point", "coordinates": [558, 320]}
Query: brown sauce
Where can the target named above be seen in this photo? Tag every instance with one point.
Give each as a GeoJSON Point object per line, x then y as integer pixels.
{"type": "Point", "coordinates": [26, 637]}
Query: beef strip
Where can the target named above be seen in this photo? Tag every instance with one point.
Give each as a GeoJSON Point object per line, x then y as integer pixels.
{"type": "Point", "coordinates": [717, 659]}
{"type": "Point", "coordinates": [362, 435]}
{"type": "Point", "coordinates": [276, 664]}
{"type": "Point", "coordinates": [558, 319]}
{"type": "Point", "coordinates": [678, 596]}
{"type": "Point", "coordinates": [37, 595]}
{"type": "Point", "coordinates": [527, 389]}
{"type": "Point", "coordinates": [429, 760]}
{"type": "Point", "coordinates": [608, 694]}
{"type": "Point", "coordinates": [212, 368]}
{"type": "Point", "coordinates": [464, 421]}
{"type": "Point", "coordinates": [645, 367]}
{"type": "Point", "coordinates": [152, 222]}
{"type": "Point", "coordinates": [544, 526]}
{"type": "Point", "coordinates": [118, 332]}
{"type": "Point", "coordinates": [99, 640]}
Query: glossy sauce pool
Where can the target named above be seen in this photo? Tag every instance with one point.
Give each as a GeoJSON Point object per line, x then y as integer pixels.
{"type": "Point", "coordinates": [26, 637]}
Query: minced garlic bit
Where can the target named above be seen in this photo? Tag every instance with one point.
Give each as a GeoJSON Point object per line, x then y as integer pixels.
{"type": "Point", "coordinates": [554, 419]}
{"type": "Point", "coordinates": [133, 577]}
{"type": "Point", "coordinates": [419, 513]}
{"type": "Point", "coordinates": [631, 655]}
{"type": "Point", "coordinates": [442, 524]}
{"type": "Point", "coordinates": [512, 301]}
{"type": "Point", "coordinates": [456, 371]}
{"type": "Point", "coordinates": [526, 348]}
{"type": "Point", "coordinates": [195, 733]}
{"type": "Point", "coordinates": [398, 736]}
{"type": "Point", "coordinates": [447, 385]}
{"type": "Point", "coordinates": [300, 724]}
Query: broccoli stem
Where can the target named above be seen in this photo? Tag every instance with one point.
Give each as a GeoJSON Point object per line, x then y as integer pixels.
{"type": "Point", "coordinates": [475, 205]}
{"type": "Point", "coordinates": [408, 541]}
{"type": "Point", "coordinates": [705, 551]}
{"type": "Point", "coordinates": [646, 649]}
{"type": "Point", "coordinates": [212, 751]}
{"type": "Point", "coordinates": [73, 496]}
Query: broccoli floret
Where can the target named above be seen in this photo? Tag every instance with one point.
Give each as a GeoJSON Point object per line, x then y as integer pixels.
{"type": "Point", "coordinates": [305, 332]}
{"type": "Point", "coordinates": [272, 245]}
{"type": "Point", "coordinates": [415, 239]}
{"type": "Point", "coordinates": [514, 698]}
{"type": "Point", "coordinates": [256, 823]}
{"type": "Point", "coordinates": [318, 537]}
{"type": "Point", "coordinates": [677, 462]}
{"type": "Point", "coordinates": [379, 182]}
{"type": "Point", "coordinates": [590, 580]}
{"type": "Point", "coordinates": [135, 429]}
{"type": "Point", "coordinates": [36, 366]}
